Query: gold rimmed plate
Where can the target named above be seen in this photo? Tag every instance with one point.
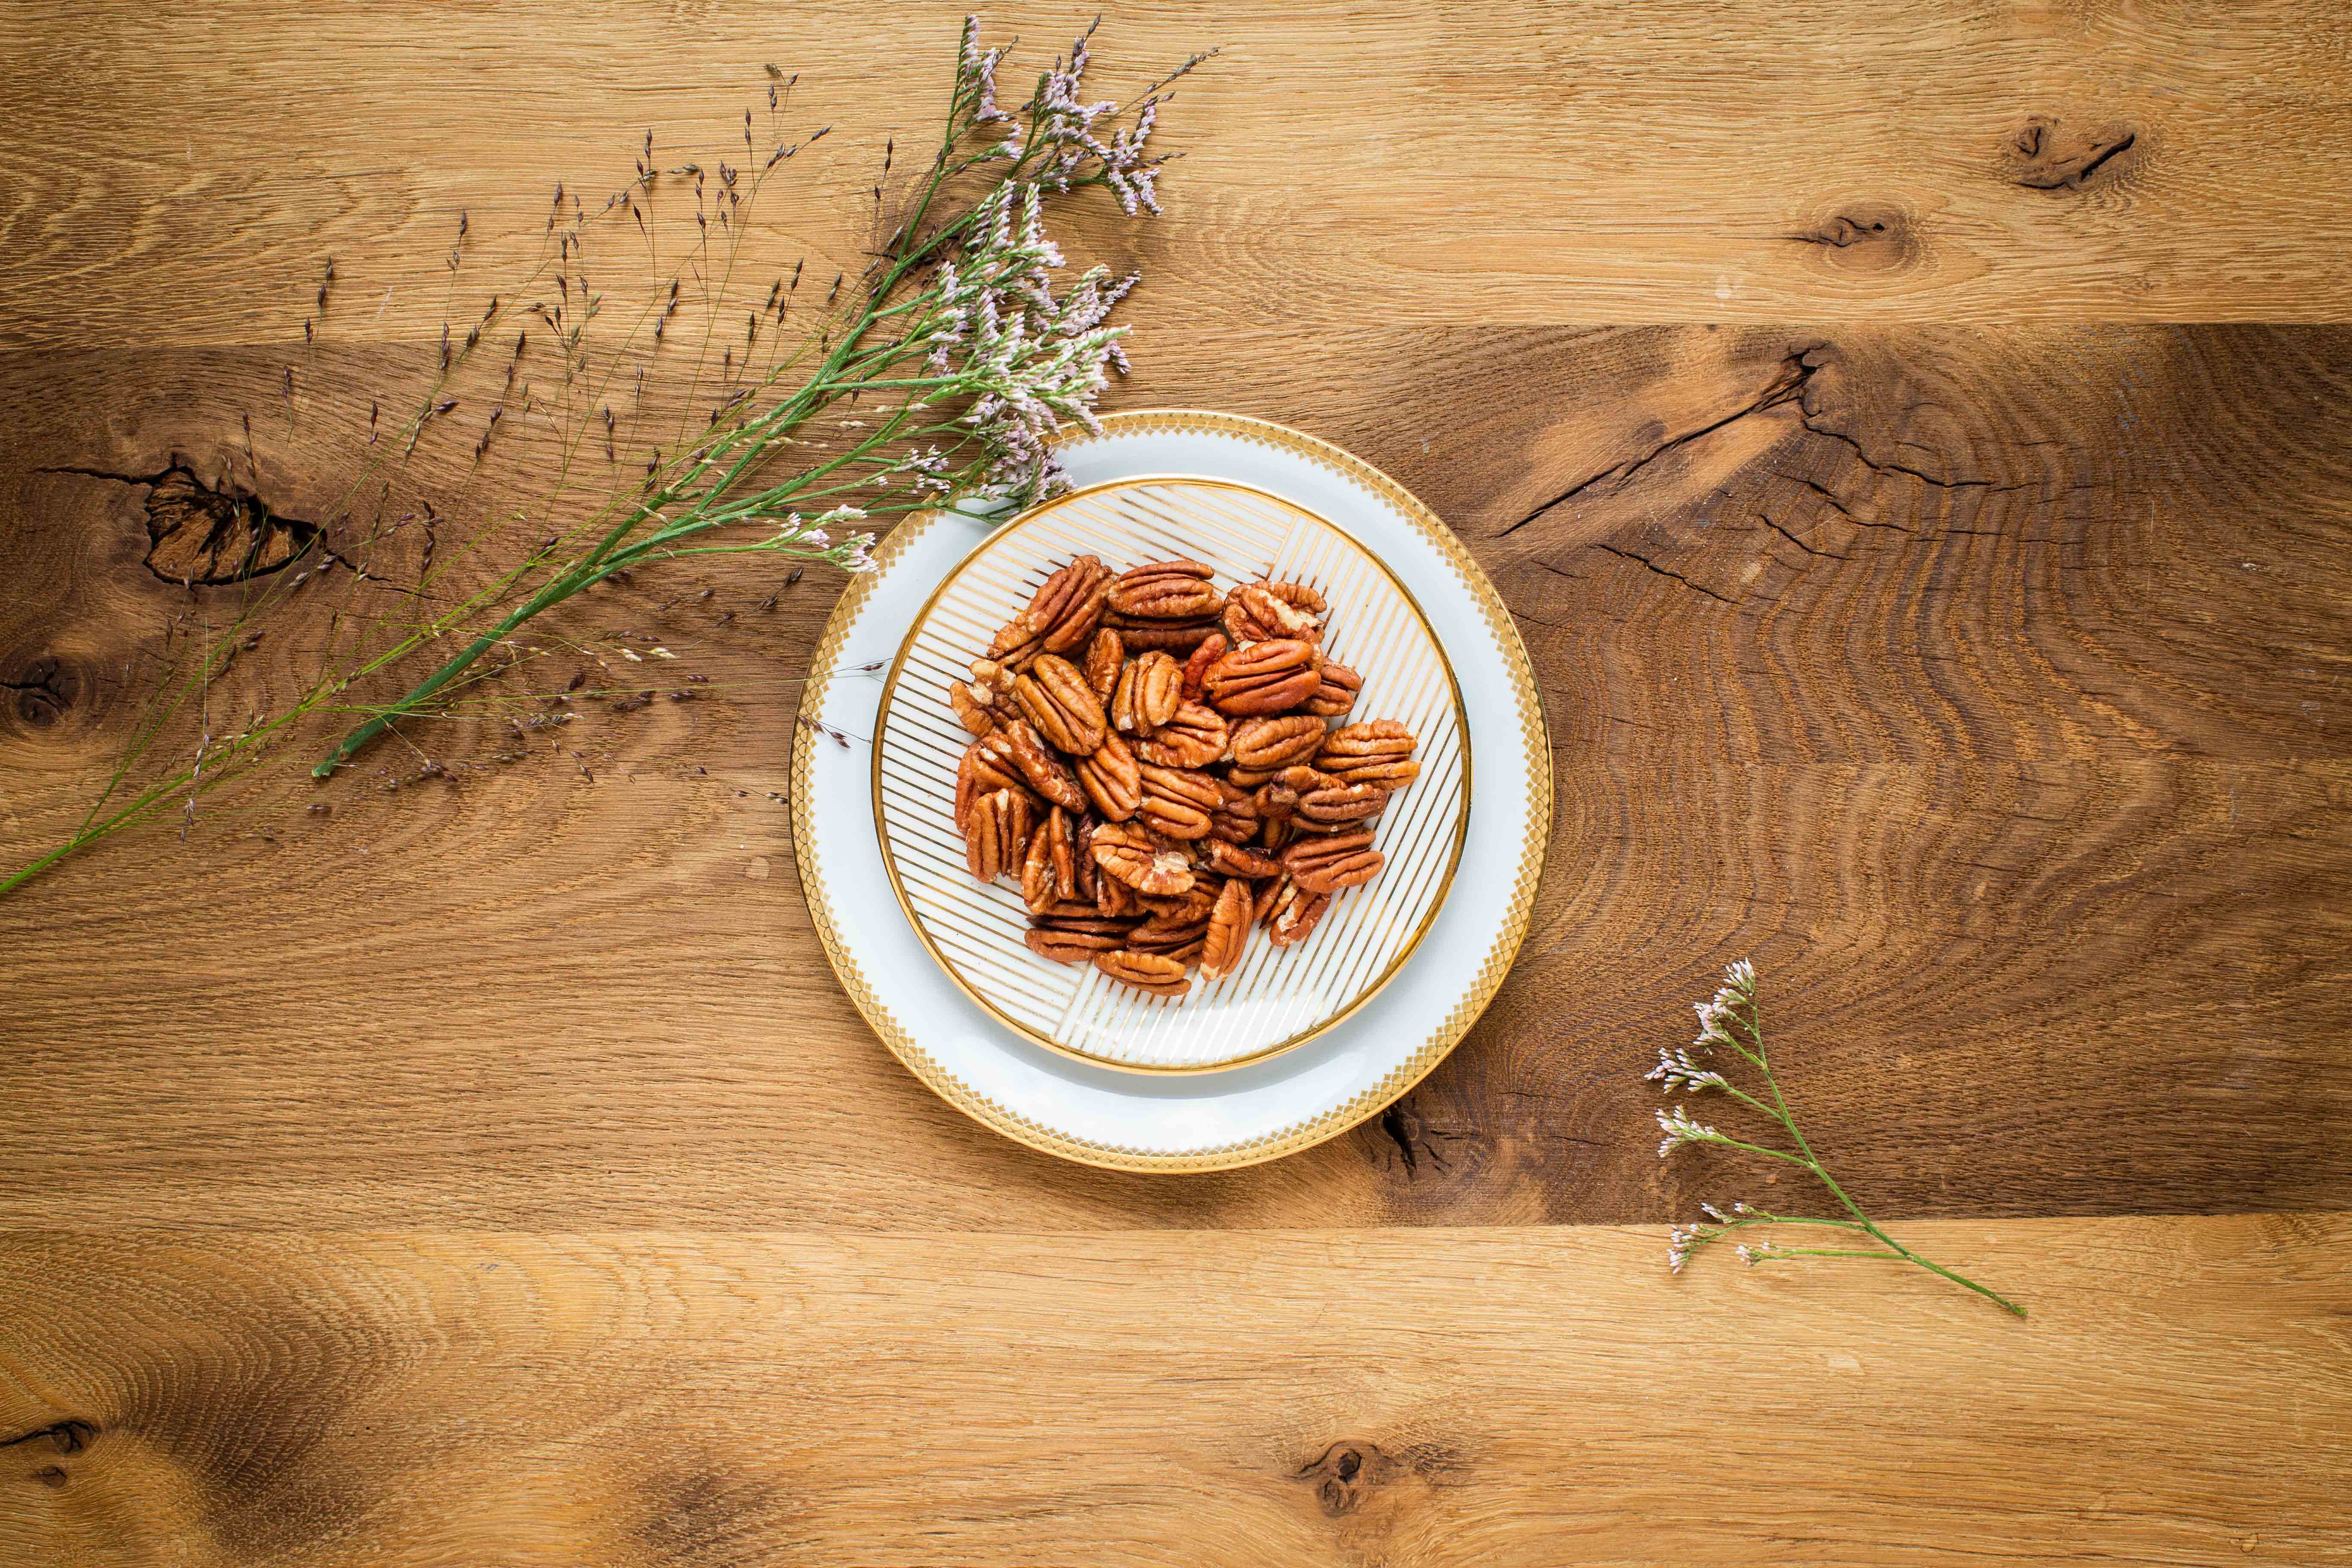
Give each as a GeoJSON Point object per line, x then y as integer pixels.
{"type": "Point", "coordinates": [1077, 1106]}
{"type": "Point", "coordinates": [1279, 998]}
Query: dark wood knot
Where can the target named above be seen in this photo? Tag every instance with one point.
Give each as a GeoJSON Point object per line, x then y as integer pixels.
{"type": "Point", "coordinates": [1345, 1473]}
{"type": "Point", "coordinates": [2046, 154]}
{"type": "Point", "coordinates": [1863, 234]}
{"type": "Point", "coordinates": [44, 689]}
{"type": "Point", "coordinates": [68, 1437]}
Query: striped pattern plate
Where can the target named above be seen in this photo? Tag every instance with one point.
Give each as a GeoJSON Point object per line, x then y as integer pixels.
{"type": "Point", "coordinates": [1279, 996]}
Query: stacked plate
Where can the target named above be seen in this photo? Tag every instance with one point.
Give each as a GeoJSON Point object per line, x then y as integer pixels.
{"type": "Point", "coordinates": [1299, 1043]}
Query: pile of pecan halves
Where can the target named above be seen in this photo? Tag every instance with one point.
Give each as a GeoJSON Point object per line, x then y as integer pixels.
{"type": "Point", "coordinates": [1156, 762]}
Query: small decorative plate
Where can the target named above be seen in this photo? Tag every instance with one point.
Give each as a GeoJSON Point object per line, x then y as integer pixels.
{"type": "Point", "coordinates": [1280, 997]}
{"type": "Point", "coordinates": [1302, 1043]}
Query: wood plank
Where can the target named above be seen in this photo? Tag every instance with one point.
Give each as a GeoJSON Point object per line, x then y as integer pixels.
{"type": "Point", "coordinates": [2178, 1397]}
{"type": "Point", "coordinates": [2025, 781]}
{"type": "Point", "coordinates": [1833, 160]}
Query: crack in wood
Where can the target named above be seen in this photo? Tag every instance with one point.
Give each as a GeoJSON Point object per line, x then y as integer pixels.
{"type": "Point", "coordinates": [1788, 385]}
{"type": "Point", "coordinates": [1663, 572]}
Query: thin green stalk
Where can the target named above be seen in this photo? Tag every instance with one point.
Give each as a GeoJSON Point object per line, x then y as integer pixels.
{"type": "Point", "coordinates": [1736, 1004]}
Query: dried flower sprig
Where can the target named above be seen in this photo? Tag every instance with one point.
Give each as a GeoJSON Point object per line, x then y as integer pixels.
{"type": "Point", "coordinates": [1729, 1021]}
{"type": "Point", "coordinates": [971, 360]}
{"type": "Point", "coordinates": [936, 380]}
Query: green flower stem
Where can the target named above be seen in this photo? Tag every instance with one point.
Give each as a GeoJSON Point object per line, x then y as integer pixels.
{"type": "Point", "coordinates": [1744, 1019]}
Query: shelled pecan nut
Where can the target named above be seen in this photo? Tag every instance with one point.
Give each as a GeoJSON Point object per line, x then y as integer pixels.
{"type": "Point", "coordinates": [1069, 606]}
{"type": "Point", "coordinates": [1105, 655]}
{"type": "Point", "coordinates": [1268, 744]}
{"type": "Point", "coordinates": [1189, 908]}
{"type": "Point", "coordinates": [1147, 972]}
{"type": "Point", "coordinates": [1264, 678]}
{"type": "Point", "coordinates": [1109, 777]}
{"type": "Point", "coordinates": [977, 775]}
{"type": "Point", "coordinates": [1114, 899]}
{"type": "Point", "coordinates": [1236, 820]}
{"type": "Point", "coordinates": [1038, 890]}
{"type": "Point", "coordinates": [1072, 946]}
{"type": "Point", "coordinates": [1019, 746]}
{"type": "Point", "coordinates": [998, 834]}
{"type": "Point", "coordinates": [1238, 860]}
{"type": "Point", "coordinates": [1213, 648]}
{"type": "Point", "coordinates": [1133, 856]}
{"type": "Point", "coordinates": [1341, 804]}
{"type": "Point", "coordinates": [1141, 635]}
{"type": "Point", "coordinates": [1336, 693]}
{"type": "Point", "coordinates": [1167, 590]}
{"type": "Point", "coordinates": [1379, 752]}
{"type": "Point", "coordinates": [1148, 693]}
{"type": "Point", "coordinates": [1227, 938]}
{"type": "Point", "coordinates": [1179, 801]}
{"type": "Point", "coordinates": [975, 715]}
{"type": "Point", "coordinates": [1195, 736]}
{"type": "Point", "coordinates": [1326, 864]}
{"type": "Point", "coordinates": [1058, 701]}
{"type": "Point", "coordinates": [1257, 611]}
{"type": "Point", "coordinates": [1289, 912]}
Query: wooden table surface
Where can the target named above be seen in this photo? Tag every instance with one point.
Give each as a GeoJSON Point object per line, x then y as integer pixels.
{"type": "Point", "coordinates": [1913, 440]}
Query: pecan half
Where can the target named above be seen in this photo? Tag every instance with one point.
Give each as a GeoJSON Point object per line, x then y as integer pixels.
{"type": "Point", "coordinates": [1019, 747]}
{"type": "Point", "coordinates": [1166, 591]}
{"type": "Point", "coordinates": [1179, 801]}
{"type": "Point", "coordinates": [1239, 861]}
{"type": "Point", "coordinates": [985, 698]}
{"type": "Point", "coordinates": [1069, 606]}
{"type": "Point", "coordinates": [1071, 933]}
{"type": "Point", "coordinates": [1104, 656]}
{"type": "Point", "coordinates": [1270, 745]}
{"type": "Point", "coordinates": [1178, 637]}
{"type": "Point", "coordinates": [1146, 972]}
{"type": "Point", "coordinates": [1289, 912]}
{"type": "Point", "coordinates": [1236, 820]}
{"type": "Point", "coordinates": [1379, 751]}
{"type": "Point", "coordinates": [1193, 737]}
{"type": "Point", "coordinates": [1196, 668]}
{"type": "Point", "coordinates": [1227, 938]}
{"type": "Point", "coordinates": [1147, 695]}
{"type": "Point", "coordinates": [1108, 777]}
{"type": "Point", "coordinates": [1038, 889]}
{"type": "Point", "coordinates": [1074, 946]}
{"type": "Point", "coordinates": [1058, 701]}
{"type": "Point", "coordinates": [1062, 615]}
{"type": "Point", "coordinates": [1184, 946]}
{"type": "Point", "coordinates": [1189, 908]}
{"type": "Point", "coordinates": [1257, 611]}
{"type": "Point", "coordinates": [1114, 899]}
{"type": "Point", "coordinates": [1342, 804]}
{"type": "Point", "coordinates": [1336, 695]}
{"type": "Point", "coordinates": [998, 834]}
{"type": "Point", "coordinates": [975, 715]}
{"type": "Point", "coordinates": [1326, 864]}
{"type": "Point", "coordinates": [1264, 678]}
{"type": "Point", "coordinates": [1131, 855]}
{"type": "Point", "coordinates": [977, 775]}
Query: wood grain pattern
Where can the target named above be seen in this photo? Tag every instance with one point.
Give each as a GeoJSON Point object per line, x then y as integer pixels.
{"type": "Point", "coordinates": [1346, 162]}
{"type": "Point", "coordinates": [486, 1167]}
{"type": "Point", "coordinates": [2032, 804]}
{"type": "Point", "coordinates": [2178, 1397]}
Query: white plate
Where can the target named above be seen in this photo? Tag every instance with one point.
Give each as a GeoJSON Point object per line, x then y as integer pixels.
{"type": "Point", "coordinates": [1104, 1115]}
{"type": "Point", "coordinates": [1279, 997]}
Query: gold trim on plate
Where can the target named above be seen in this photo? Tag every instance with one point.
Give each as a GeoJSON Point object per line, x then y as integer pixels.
{"type": "Point", "coordinates": [1337, 1119]}
{"type": "Point", "coordinates": [890, 689]}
